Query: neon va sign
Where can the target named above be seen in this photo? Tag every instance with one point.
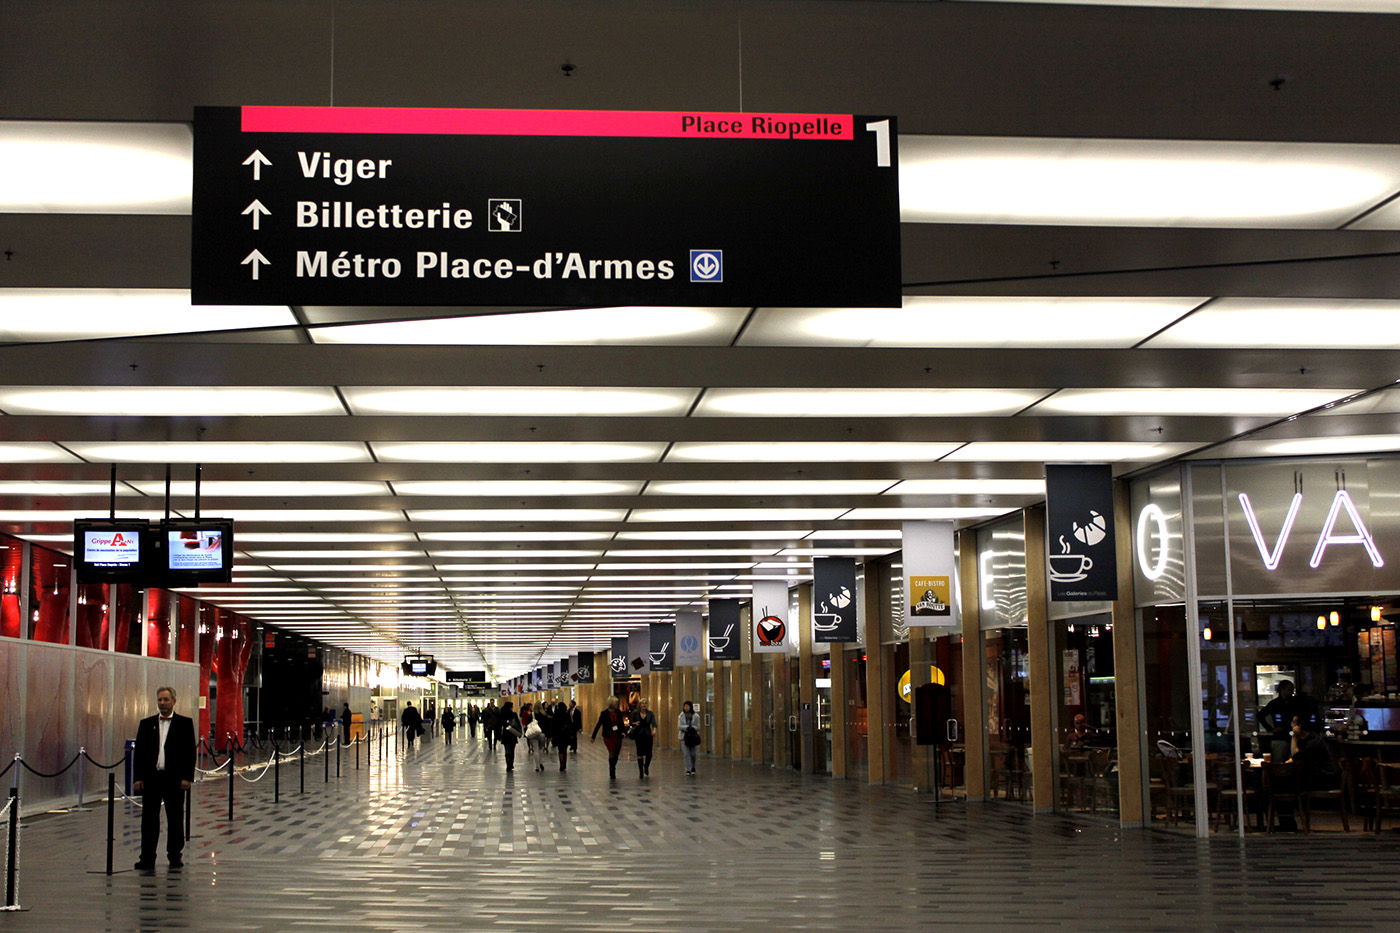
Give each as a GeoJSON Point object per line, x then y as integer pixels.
{"type": "Point", "coordinates": [1341, 501]}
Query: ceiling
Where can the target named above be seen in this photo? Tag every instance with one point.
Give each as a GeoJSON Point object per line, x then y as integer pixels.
{"type": "Point", "coordinates": [1130, 234]}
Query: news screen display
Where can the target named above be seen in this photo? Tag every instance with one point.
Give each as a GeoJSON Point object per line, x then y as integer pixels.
{"type": "Point", "coordinates": [196, 549]}
{"type": "Point", "coordinates": [111, 547]}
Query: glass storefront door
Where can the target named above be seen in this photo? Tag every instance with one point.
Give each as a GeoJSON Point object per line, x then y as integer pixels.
{"type": "Point", "coordinates": [1087, 767]}
{"type": "Point", "coordinates": [768, 712]}
{"type": "Point", "coordinates": [1007, 697]}
{"type": "Point", "coordinates": [856, 713]}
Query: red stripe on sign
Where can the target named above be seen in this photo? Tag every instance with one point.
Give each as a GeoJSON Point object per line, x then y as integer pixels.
{"type": "Point", "coordinates": [650, 123]}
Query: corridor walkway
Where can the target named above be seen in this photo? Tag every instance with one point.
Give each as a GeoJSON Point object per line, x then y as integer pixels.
{"type": "Point", "coordinates": [441, 838]}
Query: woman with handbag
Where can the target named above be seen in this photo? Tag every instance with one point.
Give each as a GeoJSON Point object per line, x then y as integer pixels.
{"type": "Point", "coordinates": [644, 734]}
{"type": "Point", "coordinates": [610, 722]}
{"type": "Point", "coordinates": [688, 728]}
{"type": "Point", "coordinates": [511, 732]}
{"type": "Point", "coordinates": [535, 741]}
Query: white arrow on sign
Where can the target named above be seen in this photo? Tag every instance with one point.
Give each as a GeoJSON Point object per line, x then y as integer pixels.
{"type": "Point", "coordinates": [258, 212]}
{"type": "Point", "coordinates": [256, 258]}
{"type": "Point", "coordinates": [257, 160]}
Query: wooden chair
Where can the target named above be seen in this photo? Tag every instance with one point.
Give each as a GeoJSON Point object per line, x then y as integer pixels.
{"type": "Point", "coordinates": [1388, 790]}
{"type": "Point", "coordinates": [1281, 786]}
{"type": "Point", "coordinates": [1104, 779]}
{"type": "Point", "coordinates": [1343, 793]}
{"type": "Point", "coordinates": [1227, 796]}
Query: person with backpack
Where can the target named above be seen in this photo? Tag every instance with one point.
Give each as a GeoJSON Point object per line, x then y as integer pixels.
{"type": "Point", "coordinates": [688, 728]}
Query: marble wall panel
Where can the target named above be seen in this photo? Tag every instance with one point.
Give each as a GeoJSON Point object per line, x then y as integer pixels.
{"type": "Point", "coordinates": [12, 680]}
{"type": "Point", "coordinates": [50, 739]}
{"type": "Point", "coordinates": [92, 715]}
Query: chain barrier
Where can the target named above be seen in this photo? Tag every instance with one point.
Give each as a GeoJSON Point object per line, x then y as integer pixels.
{"type": "Point", "coordinates": [45, 774]}
{"type": "Point", "coordinates": [96, 764]}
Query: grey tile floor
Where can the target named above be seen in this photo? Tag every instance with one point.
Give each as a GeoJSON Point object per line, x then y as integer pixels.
{"type": "Point", "coordinates": [441, 838]}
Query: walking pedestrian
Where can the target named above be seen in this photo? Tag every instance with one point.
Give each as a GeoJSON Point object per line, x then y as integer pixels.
{"type": "Point", "coordinates": [575, 725]}
{"type": "Point", "coordinates": [688, 728]}
{"type": "Point", "coordinates": [610, 723]}
{"type": "Point", "coordinates": [490, 722]}
{"type": "Point", "coordinates": [510, 731]}
{"type": "Point", "coordinates": [643, 732]}
{"type": "Point", "coordinates": [412, 722]}
{"type": "Point", "coordinates": [473, 717]}
{"type": "Point", "coordinates": [563, 733]}
{"type": "Point", "coordinates": [449, 722]}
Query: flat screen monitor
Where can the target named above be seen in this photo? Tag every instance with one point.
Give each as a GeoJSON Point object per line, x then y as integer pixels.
{"type": "Point", "coordinates": [419, 667]}
{"type": "Point", "coordinates": [193, 551]}
{"type": "Point", "coordinates": [111, 550]}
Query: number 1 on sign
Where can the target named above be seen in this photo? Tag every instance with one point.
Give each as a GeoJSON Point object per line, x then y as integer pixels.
{"type": "Point", "coordinates": [881, 129]}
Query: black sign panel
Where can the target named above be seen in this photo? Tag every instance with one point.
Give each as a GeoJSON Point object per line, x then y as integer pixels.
{"type": "Point", "coordinates": [834, 599]}
{"type": "Point", "coordinates": [1079, 540]}
{"type": "Point", "coordinates": [466, 677]}
{"type": "Point", "coordinates": [382, 206]}
{"type": "Point", "coordinates": [725, 637]}
{"type": "Point", "coordinates": [583, 668]}
{"type": "Point", "coordinates": [662, 654]}
{"type": "Point", "coordinates": [617, 663]}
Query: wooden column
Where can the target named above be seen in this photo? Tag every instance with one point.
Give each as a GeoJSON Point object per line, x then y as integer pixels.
{"type": "Point", "coordinates": [1039, 642]}
{"type": "Point", "coordinates": [806, 679]}
{"type": "Point", "coordinates": [874, 681]}
{"type": "Point", "coordinates": [973, 670]}
{"type": "Point", "coordinates": [721, 672]}
{"type": "Point", "coordinates": [734, 670]}
{"type": "Point", "coordinates": [1127, 671]}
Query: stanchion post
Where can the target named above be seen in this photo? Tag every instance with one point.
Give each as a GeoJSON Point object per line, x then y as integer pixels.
{"type": "Point", "coordinates": [189, 808]}
{"type": "Point", "coordinates": [337, 758]}
{"type": "Point", "coordinates": [326, 762]}
{"type": "Point", "coordinates": [276, 777]}
{"type": "Point", "coordinates": [230, 790]}
{"type": "Point", "coordinates": [12, 862]}
{"type": "Point", "coordinates": [81, 753]}
{"type": "Point", "coordinates": [357, 754]}
{"type": "Point", "coordinates": [303, 767]}
{"type": "Point", "coordinates": [111, 817]}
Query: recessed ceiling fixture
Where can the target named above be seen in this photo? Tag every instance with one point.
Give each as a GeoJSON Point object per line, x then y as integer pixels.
{"type": "Point", "coordinates": [521, 452]}
{"type": "Point", "coordinates": [42, 314]}
{"type": "Point", "coordinates": [530, 400]}
{"type": "Point", "coordinates": [1140, 182]}
{"type": "Point", "coordinates": [805, 452]}
{"type": "Point", "coordinates": [865, 403]}
{"type": "Point", "coordinates": [579, 327]}
{"type": "Point", "coordinates": [95, 168]}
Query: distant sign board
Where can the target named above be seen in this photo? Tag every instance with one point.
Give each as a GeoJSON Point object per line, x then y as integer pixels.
{"type": "Point", "coordinates": [466, 677]}
{"type": "Point", "coordinates": [389, 206]}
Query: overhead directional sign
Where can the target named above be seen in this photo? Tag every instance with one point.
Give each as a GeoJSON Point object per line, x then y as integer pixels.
{"type": "Point", "coordinates": [382, 206]}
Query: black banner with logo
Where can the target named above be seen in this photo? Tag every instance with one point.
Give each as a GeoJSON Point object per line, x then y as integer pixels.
{"type": "Point", "coordinates": [1081, 556]}
{"type": "Point", "coordinates": [583, 668]}
{"type": "Point", "coordinates": [617, 659]}
{"type": "Point", "coordinates": [663, 647]}
{"type": "Point", "coordinates": [834, 599]}
{"type": "Point", "coordinates": [725, 636]}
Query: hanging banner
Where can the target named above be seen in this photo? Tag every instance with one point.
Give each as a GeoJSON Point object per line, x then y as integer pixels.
{"type": "Point", "coordinates": [662, 646]}
{"type": "Point", "coordinates": [690, 635]}
{"type": "Point", "coordinates": [638, 647]}
{"type": "Point", "coordinates": [770, 618]}
{"type": "Point", "coordinates": [929, 599]}
{"type": "Point", "coordinates": [565, 678]}
{"type": "Point", "coordinates": [1081, 555]}
{"type": "Point", "coordinates": [617, 659]}
{"type": "Point", "coordinates": [834, 599]}
{"type": "Point", "coordinates": [583, 668]}
{"type": "Point", "coordinates": [724, 640]}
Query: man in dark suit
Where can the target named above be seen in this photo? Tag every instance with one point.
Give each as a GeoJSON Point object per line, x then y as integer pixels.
{"type": "Point", "coordinates": [163, 770]}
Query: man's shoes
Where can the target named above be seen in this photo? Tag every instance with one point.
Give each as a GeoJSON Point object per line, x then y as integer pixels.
{"type": "Point", "coordinates": [176, 862]}
{"type": "Point", "coordinates": [145, 865]}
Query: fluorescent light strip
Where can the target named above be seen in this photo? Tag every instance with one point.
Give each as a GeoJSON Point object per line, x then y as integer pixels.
{"type": "Point", "coordinates": [219, 451]}
{"type": "Point", "coordinates": [554, 401]}
{"type": "Point", "coordinates": [864, 403]}
{"type": "Point", "coordinates": [170, 401]}
{"type": "Point", "coordinates": [969, 487]}
{"type": "Point", "coordinates": [516, 515]}
{"type": "Point", "coordinates": [580, 327]}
